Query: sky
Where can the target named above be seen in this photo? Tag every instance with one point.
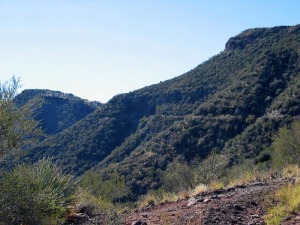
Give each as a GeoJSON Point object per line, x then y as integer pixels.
{"type": "Point", "coordinates": [96, 49]}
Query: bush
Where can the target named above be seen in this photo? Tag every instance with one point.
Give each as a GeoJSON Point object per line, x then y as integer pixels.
{"type": "Point", "coordinates": [35, 194]}
{"type": "Point", "coordinates": [212, 168]}
{"type": "Point", "coordinates": [99, 210]}
{"type": "Point", "coordinates": [113, 189]}
{"type": "Point", "coordinates": [286, 146]}
{"type": "Point", "coordinates": [178, 177]}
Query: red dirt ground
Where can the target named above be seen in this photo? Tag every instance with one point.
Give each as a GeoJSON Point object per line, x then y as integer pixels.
{"type": "Point", "coordinates": [243, 204]}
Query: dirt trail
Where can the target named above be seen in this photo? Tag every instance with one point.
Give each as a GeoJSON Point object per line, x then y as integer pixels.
{"type": "Point", "coordinates": [243, 204]}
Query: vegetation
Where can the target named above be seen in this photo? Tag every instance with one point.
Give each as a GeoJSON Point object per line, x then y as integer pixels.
{"type": "Point", "coordinates": [35, 194]}
{"type": "Point", "coordinates": [17, 126]}
{"type": "Point", "coordinates": [113, 189]}
{"type": "Point", "coordinates": [41, 193]}
{"type": "Point", "coordinates": [286, 156]}
{"type": "Point", "coordinates": [178, 177]}
{"type": "Point", "coordinates": [289, 202]}
{"type": "Point", "coordinates": [59, 110]}
{"type": "Point", "coordinates": [286, 146]}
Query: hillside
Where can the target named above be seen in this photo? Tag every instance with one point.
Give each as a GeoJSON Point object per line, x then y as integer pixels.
{"type": "Point", "coordinates": [59, 110]}
{"type": "Point", "coordinates": [233, 103]}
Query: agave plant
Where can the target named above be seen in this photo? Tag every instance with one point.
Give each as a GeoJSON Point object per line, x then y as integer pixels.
{"type": "Point", "coordinates": [36, 194]}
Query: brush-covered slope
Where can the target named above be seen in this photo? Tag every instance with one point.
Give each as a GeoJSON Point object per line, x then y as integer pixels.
{"type": "Point", "coordinates": [233, 103]}
{"type": "Point", "coordinates": [59, 110]}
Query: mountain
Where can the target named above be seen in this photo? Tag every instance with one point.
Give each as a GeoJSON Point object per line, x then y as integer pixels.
{"type": "Point", "coordinates": [59, 110]}
{"type": "Point", "coordinates": [233, 103]}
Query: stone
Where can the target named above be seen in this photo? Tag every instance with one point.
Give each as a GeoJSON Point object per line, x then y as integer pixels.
{"type": "Point", "coordinates": [238, 207]}
{"type": "Point", "coordinates": [206, 200]}
{"type": "Point", "coordinates": [193, 201]}
{"type": "Point", "coordinates": [138, 223]}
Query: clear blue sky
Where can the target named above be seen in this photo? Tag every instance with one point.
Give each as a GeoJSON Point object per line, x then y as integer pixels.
{"type": "Point", "coordinates": [96, 49]}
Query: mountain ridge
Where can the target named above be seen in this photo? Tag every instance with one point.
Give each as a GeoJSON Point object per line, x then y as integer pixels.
{"type": "Point", "coordinates": [59, 110]}
{"type": "Point", "coordinates": [232, 104]}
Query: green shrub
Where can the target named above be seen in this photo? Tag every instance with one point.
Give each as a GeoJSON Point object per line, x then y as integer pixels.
{"type": "Point", "coordinates": [113, 189]}
{"type": "Point", "coordinates": [99, 210]}
{"type": "Point", "coordinates": [35, 194]}
{"type": "Point", "coordinates": [212, 168]}
{"type": "Point", "coordinates": [178, 177]}
{"type": "Point", "coordinates": [286, 146]}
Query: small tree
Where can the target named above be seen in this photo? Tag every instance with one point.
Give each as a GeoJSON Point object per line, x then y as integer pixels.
{"type": "Point", "coordinates": [17, 125]}
{"type": "Point", "coordinates": [286, 146]}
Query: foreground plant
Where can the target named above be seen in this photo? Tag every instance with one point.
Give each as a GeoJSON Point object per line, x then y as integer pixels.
{"type": "Point", "coordinates": [289, 201]}
{"type": "Point", "coordinates": [18, 128]}
{"type": "Point", "coordinates": [35, 194]}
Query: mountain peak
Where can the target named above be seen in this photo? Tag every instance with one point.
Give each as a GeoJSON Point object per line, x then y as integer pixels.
{"type": "Point", "coordinates": [60, 110]}
{"type": "Point", "coordinates": [250, 36]}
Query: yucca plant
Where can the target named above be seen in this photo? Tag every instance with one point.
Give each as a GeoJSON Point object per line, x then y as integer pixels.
{"type": "Point", "coordinates": [36, 194]}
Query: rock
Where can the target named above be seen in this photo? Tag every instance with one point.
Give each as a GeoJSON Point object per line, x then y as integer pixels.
{"type": "Point", "coordinates": [255, 216]}
{"type": "Point", "coordinates": [193, 201]}
{"type": "Point", "coordinates": [170, 210]}
{"type": "Point", "coordinates": [219, 191]}
{"type": "Point", "coordinates": [238, 207]}
{"type": "Point", "coordinates": [206, 200]}
{"type": "Point", "coordinates": [230, 189]}
{"type": "Point", "coordinates": [254, 203]}
{"type": "Point", "coordinates": [221, 196]}
{"type": "Point", "coordinates": [79, 216]}
{"type": "Point", "coordinates": [138, 223]}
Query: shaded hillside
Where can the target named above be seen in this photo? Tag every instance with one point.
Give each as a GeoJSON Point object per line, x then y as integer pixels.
{"type": "Point", "coordinates": [233, 103]}
{"type": "Point", "coordinates": [59, 110]}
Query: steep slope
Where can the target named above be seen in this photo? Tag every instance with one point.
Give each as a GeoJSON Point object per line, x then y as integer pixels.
{"type": "Point", "coordinates": [233, 103]}
{"type": "Point", "coordinates": [59, 110]}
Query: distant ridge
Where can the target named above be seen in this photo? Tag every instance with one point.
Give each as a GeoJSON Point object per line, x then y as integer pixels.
{"type": "Point", "coordinates": [59, 110]}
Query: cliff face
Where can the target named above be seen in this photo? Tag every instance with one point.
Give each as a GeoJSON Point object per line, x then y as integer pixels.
{"type": "Point", "coordinates": [232, 103]}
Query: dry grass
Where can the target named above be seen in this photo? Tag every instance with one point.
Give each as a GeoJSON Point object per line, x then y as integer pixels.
{"type": "Point", "coordinates": [289, 198]}
{"type": "Point", "coordinates": [168, 197]}
{"type": "Point", "coordinates": [250, 176]}
{"type": "Point", "coordinates": [276, 215]}
{"type": "Point", "coordinates": [153, 198]}
{"type": "Point", "coordinates": [291, 171]}
{"type": "Point", "coordinates": [199, 189]}
{"type": "Point", "coordinates": [149, 199]}
{"type": "Point", "coordinates": [184, 194]}
{"type": "Point", "coordinates": [215, 185]}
